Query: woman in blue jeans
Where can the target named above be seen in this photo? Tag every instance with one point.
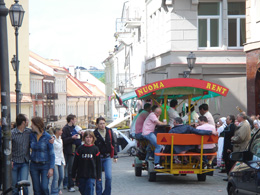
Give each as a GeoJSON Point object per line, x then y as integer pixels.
{"type": "Point", "coordinates": [106, 144]}
{"type": "Point", "coordinates": [42, 157]}
{"type": "Point", "coordinates": [58, 174]}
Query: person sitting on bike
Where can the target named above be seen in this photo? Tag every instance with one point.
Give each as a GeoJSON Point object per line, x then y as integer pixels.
{"type": "Point", "coordinates": [148, 132]}
{"type": "Point", "coordinates": [180, 128]}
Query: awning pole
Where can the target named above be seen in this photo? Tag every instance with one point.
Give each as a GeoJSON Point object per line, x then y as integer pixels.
{"type": "Point", "coordinates": [165, 104]}
{"type": "Point", "coordinates": [189, 108]}
{"type": "Point", "coordinates": [180, 103]}
{"type": "Point", "coordinates": [155, 101]}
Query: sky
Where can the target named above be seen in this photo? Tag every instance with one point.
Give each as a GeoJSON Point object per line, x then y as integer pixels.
{"type": "Point", "coordinates": [76, 32]}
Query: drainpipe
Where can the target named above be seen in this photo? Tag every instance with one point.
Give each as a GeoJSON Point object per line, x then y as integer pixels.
{"type": "Point", "coordinates": [85, 108]}
{"type": "Point", "coordinates": [77, 107]}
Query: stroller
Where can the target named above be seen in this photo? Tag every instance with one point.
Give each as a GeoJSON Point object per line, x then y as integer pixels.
{"type": "Point", "coordinates": [125, 144]}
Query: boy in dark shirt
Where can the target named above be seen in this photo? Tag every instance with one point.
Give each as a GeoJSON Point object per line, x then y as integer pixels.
{"type": "Point", "coordinates": [87, 165]}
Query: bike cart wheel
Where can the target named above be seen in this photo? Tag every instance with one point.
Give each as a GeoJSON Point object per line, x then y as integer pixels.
{"type": "Point", "coordinates": [201, 177]}
{"type": "Point", "coordinates": [138, 171]}
{"type": "Point", "coordinates": [151, 176]}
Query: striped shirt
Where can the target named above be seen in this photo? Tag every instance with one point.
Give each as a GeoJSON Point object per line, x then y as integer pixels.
{"type": "Point", "coordinates": [21, 145]}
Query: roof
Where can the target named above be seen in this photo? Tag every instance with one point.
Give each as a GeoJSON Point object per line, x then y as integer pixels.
{"type": "Point", "coordinates": [26, 98]}
{"type": "Point", "coordinates": [47, 62]}
{"type": "Point", "coordinates": [96, 91]}
{"type": "Point", "coordinates": [77, 88]}
{"type": "Point", "coordinates": [36, 70]}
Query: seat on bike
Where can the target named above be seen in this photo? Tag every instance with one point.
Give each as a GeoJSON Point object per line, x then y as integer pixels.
{"type": "Point", "coordinates": [22, 183]}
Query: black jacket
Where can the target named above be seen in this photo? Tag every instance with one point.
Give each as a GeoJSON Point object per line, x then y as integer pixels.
{"type": "Point", "coordinates": [228, 133]}
{"type": "Point", "coordinates": [87, 162]}
{"type": "Point", "coordinates": [67, 139]}
{"type": "Point", "coordinates": [104, 146]}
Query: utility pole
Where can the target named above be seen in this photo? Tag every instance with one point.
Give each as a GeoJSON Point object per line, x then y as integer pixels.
{"type": "Point", "coordinates": [5, 100]}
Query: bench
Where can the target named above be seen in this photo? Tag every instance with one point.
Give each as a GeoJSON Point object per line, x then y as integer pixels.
{"type": "Point", "coordinates": [185, 139]}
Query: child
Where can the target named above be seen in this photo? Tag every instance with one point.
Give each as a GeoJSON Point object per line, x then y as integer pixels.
{"type": "Point", "coordinates": [87, 164]}
{"type": "Point", "coordinates": [77, 131]}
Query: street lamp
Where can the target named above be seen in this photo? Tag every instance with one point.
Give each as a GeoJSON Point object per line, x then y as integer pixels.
{"type": "Point", "coordinates": [16, 14]}
{"type": "Point", "coordinates": [121, 88]}
{"type": "Point", "coordinates": [191, 59]}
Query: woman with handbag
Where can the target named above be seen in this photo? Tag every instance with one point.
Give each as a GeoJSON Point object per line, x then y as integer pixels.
{"type": "Point", "coordinates": [107, 146]}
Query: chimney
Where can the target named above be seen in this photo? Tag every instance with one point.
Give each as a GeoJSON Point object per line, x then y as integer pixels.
{"type": "Point", "coordinates": [72, 70]}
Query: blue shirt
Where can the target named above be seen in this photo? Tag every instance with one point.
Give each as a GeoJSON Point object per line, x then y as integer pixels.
{"type": "Point", "coordinates": [186, 129]}
{"type": "Point", "coordinates": [42, 150]}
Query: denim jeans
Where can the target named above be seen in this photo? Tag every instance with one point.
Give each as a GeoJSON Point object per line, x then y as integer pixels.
{"type": "Point", "coordinates": [58, 175]}
{"type": "Point", "coordinates": [139, 136]}
{"type": "Point", "coordinates": [20, 172]}
{"type": "Point", "coordinates": [153, 140]}
{"type": "Point", "coordinates": [69, 158]}
{"type": "Point", "coordinates": [39, 177]}
{"type": "Point", "coordinates": [106, 164]}
{"type": "Point", "coordinates": [86, 186]}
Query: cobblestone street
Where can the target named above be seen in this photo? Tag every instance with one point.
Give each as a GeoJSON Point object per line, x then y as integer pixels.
{"type": "Point", "coordinates": [126, 183]}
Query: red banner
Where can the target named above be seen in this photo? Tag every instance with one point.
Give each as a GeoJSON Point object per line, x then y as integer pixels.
{"type": "Point", "coordinates": [181, 82]}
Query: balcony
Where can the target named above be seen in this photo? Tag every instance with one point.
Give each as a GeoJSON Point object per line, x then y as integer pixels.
{"type": "Point", "coordinates": [53, 118]}
{"type": "Point", "coordinates": [52, 96]}
{"type": "Point", "coordinates": [39, 96]}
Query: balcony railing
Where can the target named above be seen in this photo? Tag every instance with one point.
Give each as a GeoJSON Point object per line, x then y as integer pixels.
{"type": "Point", "coordinates": [39, 96]}
{"type": "Point", "coordinates": [52, 96]}
{"type": "Point", "coordinates": [53, 118]}
{"type": "Point", "coordinates": [120, 26]}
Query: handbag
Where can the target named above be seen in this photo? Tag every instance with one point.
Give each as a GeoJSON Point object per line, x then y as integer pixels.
{"type": "Point", "coordinates": [112, 147]}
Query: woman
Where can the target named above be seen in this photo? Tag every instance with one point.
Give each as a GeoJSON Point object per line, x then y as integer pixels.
{"type": "Point", "coordinates": [255, 129]}
{"type": "Point", "coordinates": [221, 126]}
{"type": "Point", "coordinates": [59, 162]}
{"type": "Point", "coordinates": [107, 147]}
{"type": "Point", "coordinates": [42, 157]}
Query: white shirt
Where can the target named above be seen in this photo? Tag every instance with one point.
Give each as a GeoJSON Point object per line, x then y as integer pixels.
{"type": "Point", "coordinates": [172, 113]}
{"type": "Point", "coordinates": [210, 118]}
{"type": "Point", "coordinates": [58, 151]}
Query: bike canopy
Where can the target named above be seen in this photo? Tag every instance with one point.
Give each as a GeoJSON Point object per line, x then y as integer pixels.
{"type": "Point", "coordinates": [181, 88]}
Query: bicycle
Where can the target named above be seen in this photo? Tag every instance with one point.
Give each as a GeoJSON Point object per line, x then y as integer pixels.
{"type": "Point", "coordinates": [19, 185]}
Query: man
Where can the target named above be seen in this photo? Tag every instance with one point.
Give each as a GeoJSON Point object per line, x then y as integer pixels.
{"type": "Point", "coordinates": [148, 132]}
{"type": "Point", "coordinates": [140, 120]}
{"type": "Point", "coordinates": [228, 148]}
{"type": "Point", "coordinates": [242, 135]}
{"type": "Point", "coordinates": [207, 148]}
{"type": "Point", "coordinates": [68, 150]}
{"type": "Point", "coordinates": [172, 113]}
{"type": "Point", "coordinates": [20, 151]}
{"type": "Point", "coordinates": [204, 111]}
{"type": "Point", "coordinates": [186, 129]}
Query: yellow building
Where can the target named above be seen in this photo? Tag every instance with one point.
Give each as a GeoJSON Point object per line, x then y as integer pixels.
{"type": "Point", "coordinates": [23, 54]}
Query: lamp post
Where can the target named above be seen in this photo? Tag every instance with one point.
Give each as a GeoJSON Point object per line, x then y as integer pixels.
{"type": "Point", "coordinates": [5, 101]}
{"type": "Point", "coordinates": [191, 59]}
{"type": "Point", "coordinates": [16, 14]}
{"type": "Point", "coordinates": [121, 88]}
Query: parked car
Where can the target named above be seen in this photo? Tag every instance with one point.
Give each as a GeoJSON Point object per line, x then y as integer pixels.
{"type": "Point", "coordinates": [244, 177]}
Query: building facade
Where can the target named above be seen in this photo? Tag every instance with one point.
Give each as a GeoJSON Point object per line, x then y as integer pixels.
{"type": "Point", "coordinates": [213, 30]}
{"type": "Point", "coordinates": [252, 49]}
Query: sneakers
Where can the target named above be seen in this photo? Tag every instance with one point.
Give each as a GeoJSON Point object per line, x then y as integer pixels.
{"type": "Point", "coordinates": [72, 190]}
{"type": "Point", "coordinates": [60, 192]}
{"type": "Point", "coordinates": [158, 166]}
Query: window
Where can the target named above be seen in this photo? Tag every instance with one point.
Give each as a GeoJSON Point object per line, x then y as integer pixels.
{"type": "Point", "coordinates": [209, 24]}
{"type": "Point", "coordinates": [236, 24]}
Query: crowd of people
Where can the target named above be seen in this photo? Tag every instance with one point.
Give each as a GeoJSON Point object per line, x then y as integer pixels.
{"type": "Point", "coordinates": [67, 155]}
{"type": "Point", "coordinates": [234, 132]}
{"type": "Point", "coordinates": [70, 156]}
